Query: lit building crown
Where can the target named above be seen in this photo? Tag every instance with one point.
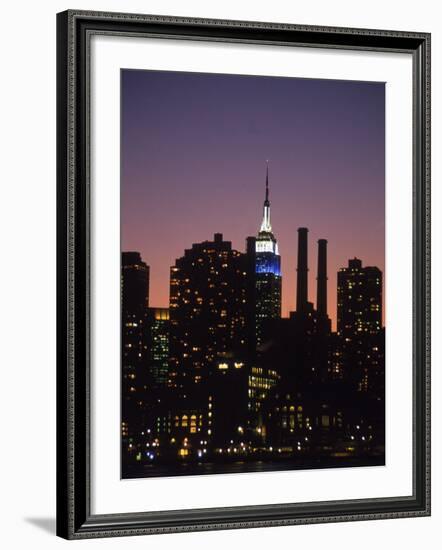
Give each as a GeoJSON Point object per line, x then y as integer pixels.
{"type": "Point", "coordinates": [266, 242]}
{"type": "Point", "coordinates": [266, 225]}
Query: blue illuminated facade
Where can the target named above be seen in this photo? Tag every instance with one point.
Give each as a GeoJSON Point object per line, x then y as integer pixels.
{"type": "Point", "coordinates": [267, 273]}
{"type": "Point", "coordinates": [268, 262]}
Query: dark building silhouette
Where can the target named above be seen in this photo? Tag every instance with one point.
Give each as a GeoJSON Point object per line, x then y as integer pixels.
{"type": "Point", "coordinates": [359, 300]}
{"type": "Point", "coordinates": [300, 414]}
{"type": "Point", "coordinates": [208, 291]}
{"type": "Point", "coordinates": [134, 353]}
{"type": "Point", "coordinates": [361, 333]}
{"type": "Point", "coordinates": [134, 283]}
{"type": "Point", "coordinates": [208, 337]}
{"type": "Point", "coordinates": [310, 327]}
{"type": "Point", "coordinates": [336, 360]}
{"type": "Point", "coordinates": [267, 272]}
{"type": "Point", "coordinates": [305, 424]}
{"type": "Point", "coordinates": [251, 296]}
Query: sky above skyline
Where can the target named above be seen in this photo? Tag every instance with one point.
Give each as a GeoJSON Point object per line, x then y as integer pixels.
{"type": "Point", "coordinates": [193, 160]}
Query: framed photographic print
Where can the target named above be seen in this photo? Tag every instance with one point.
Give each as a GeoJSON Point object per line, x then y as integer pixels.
{"type": "Point", "coordinates": [243, 274]}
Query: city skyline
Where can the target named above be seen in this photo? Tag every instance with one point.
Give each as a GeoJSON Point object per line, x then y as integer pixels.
{"type": "Point", "coordinates": [230, 186]}
{"type": "Point", "coordinates": [252, 269]}
{"type": "Point", "coordinates": [219, 382]}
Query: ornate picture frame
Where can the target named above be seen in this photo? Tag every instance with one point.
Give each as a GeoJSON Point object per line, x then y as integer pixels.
{"type": "Point", "coordinates": [75, 519]}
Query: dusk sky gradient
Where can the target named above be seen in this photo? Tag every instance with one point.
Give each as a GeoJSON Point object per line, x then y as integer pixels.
{"type": "Point", "coordinates": [193, 159]}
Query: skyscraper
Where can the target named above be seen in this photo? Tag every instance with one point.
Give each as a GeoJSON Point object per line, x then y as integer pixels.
{"type": "Point", "coordinates": [360, 326]}
{"type": "Point", "coordinates": [267, 272]}
{"type": "Point", "coordinates": [208, 339]}
{"type": "Point", "coordinates": [207, 308]}
{"type": "Point", "coordinates": [359, 300]}
{"type": "Point", "coordinates": [134, 301]}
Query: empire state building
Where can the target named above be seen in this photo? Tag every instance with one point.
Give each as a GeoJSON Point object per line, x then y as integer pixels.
{"type": "Point", "coordinates": [267, 272]}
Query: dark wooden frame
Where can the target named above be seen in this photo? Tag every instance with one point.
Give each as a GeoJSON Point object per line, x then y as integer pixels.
{"type": "Point", "coordinates": [74, 519]}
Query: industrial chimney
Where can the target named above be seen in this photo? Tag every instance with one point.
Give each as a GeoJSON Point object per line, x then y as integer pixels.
{"type": "Point", "coordinates": [302, 271]}
{"type": "Point", "coordinates": [321, 292]}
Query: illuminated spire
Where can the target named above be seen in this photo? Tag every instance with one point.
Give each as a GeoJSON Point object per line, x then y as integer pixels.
{"type": "Point", "coordinates": [265, 225]}
{"type": "Point", "coordinates": [267, 185]}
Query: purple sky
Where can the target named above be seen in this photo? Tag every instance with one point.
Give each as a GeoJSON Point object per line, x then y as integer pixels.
{"type": "Point", "coordinates": [194, 149]}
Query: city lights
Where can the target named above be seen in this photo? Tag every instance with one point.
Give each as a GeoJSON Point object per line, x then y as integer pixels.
{"type": "Point", "coordinates": [220, 379]}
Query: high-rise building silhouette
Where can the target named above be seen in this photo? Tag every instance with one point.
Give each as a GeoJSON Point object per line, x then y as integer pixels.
{"type": "Point", "coordinates": [208, 338]}
{"type": "Point", "coordinates": [134, 301]}
{"type": "Point", "coordinates": [207, 309]}
{"type": "Point", "coordinates": [267, 272]}
{"type": "Point", "coordinates": [360, 326]}
{"type": "Point", "coordinates": [359, 300]}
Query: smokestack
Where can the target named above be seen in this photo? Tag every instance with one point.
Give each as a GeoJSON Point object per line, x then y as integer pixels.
{"type": "Point", "coordinates": [321, 292]}
{"type": "Point", "coordinates": [302, 270]}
